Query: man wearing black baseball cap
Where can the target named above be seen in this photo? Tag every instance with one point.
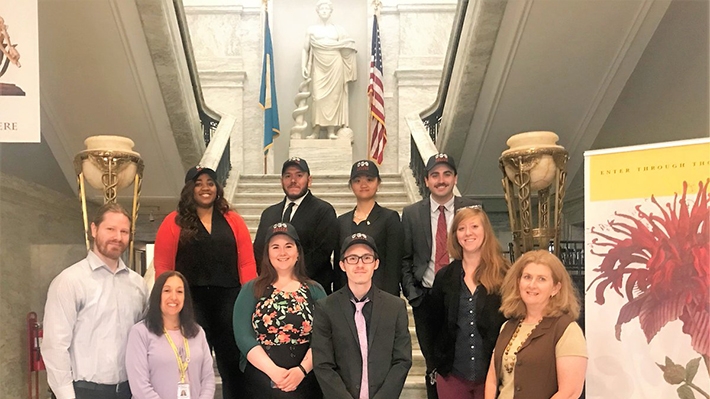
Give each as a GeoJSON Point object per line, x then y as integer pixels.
{"type": "Point", "coordinates": [426, 224]}
{"type": "Point", "coordinates": [313, 218]}
{"type": "Point", "coordinates": [368, 352]}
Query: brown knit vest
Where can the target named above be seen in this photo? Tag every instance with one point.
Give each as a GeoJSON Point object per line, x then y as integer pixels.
{"type": "Point", "coordinates": [536, 364]}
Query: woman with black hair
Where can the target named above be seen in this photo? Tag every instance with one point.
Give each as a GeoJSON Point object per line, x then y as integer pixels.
{"type": "Point", "coordinates": [380, 223]}
{"type": "Point", "coordinates": [209, 244]}
{"type": "Point", "coordinates": [273, 320]}
{"type": "Point", "coordinates": [167, 353]}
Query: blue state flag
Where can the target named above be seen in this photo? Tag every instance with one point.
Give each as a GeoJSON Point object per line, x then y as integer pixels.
{"type": "Point", "coordinates": [267, 97]}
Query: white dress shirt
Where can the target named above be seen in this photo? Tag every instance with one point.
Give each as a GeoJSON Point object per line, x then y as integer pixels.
{"type": "Point", "coordinates": [296, 204]}
{"type": "Point", "coordinates": [89, 313]}
{"type": "Point", "coordinates": [430, 272]}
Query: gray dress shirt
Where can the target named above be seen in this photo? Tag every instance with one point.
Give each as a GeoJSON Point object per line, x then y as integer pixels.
{"type": "Point", "coordinates": [88, 315]}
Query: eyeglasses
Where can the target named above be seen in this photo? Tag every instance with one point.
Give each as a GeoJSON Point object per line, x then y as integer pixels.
{"type": "Point", "coordinates": [353, 259]}
{"type": "Point", "coordinates": [478, 207]}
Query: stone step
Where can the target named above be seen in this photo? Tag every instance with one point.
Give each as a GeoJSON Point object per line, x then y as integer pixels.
{"type": "Point", "coordinates": [255, 208]}
{"type": "Point", "coordinates": [332, 197]}
{"type": "Point", "coordinates": [418, 363]}
{"type": "Point", "coordinates": [316, 188]}
{"type": "Point", "coordinates": [414, 387]}
{"type": "Point", "coordinates": [316, 178]}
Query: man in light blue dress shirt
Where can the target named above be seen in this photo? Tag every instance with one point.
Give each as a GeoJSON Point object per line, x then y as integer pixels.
{"type": "Point", "coordinates": [91, 306]}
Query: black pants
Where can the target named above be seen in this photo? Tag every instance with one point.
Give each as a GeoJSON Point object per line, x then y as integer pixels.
{"type": "Point", "coordinates": [81, 392]}
{"type": "Point", "coordinates": [214, 307]}
{"type": "Point", "coordinates": [424, 336]}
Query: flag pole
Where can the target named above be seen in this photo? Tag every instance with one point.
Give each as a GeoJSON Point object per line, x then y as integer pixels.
{"type": "Point", "coordinates": [266, 16]}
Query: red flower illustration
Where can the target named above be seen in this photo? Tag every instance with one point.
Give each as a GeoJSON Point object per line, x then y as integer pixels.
{"type": "Point", "coordinates": [662, 262]}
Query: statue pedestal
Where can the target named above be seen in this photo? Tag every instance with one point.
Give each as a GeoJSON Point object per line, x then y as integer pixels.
{"type": "Point", "coordinates": [324, 156]}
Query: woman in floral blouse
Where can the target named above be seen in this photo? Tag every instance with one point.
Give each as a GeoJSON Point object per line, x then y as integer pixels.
{"type": "Point", "coordinates": [273, 318]}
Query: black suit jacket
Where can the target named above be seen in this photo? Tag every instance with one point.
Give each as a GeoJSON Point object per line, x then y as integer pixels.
{"type": "Point", "coordinates": [416, 220]}
{"type": "Point", "coordinates": [316, 225]}
{"type": "Point", "coordinates": [337, 361]}
{"type": "Point", "coordinates": [385, 227]}
{"type": "Point", "coordinates": [443, 316]}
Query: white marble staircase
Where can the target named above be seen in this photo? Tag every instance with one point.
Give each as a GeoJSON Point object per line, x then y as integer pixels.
{"type": "Point", "coordinates": [254, 193]}
{"type": "Point", "coordinates": [257, 192]}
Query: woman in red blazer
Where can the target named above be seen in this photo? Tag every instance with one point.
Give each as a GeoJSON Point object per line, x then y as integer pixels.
{"type": "Point", "coordinates": [210, 245]}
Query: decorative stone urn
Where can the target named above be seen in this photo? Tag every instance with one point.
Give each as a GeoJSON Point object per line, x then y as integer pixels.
{"type": "Point", "coordinates": [96, 163]}
{"type": "Point", "coordinates": [543, 172]}
{"type": "Point", "coordinates": [534, 163]}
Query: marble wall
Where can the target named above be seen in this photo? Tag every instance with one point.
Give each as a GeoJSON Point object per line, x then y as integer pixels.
{"type": "Point", "coordinates": [227, 36]}
{"type": "Point", "coordinates": [40, 235]}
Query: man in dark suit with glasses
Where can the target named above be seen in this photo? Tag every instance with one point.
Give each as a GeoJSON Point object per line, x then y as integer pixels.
{"type": "Point", "coordinates": [361, 344]}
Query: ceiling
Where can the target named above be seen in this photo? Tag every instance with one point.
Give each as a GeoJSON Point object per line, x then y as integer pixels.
{"type": "Point", "coordinates": [598, 73]}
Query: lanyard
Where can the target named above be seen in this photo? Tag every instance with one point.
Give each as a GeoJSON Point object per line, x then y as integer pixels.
{"type": "Point", "coordinates": [182, 366]}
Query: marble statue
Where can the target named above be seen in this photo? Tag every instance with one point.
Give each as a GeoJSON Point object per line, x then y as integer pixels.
{"type": "Point", "coordinates": [328, 59]}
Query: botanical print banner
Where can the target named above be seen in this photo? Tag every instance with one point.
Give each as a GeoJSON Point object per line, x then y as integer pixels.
{"type": "Point", "coordinates": [19, 72]}
{"type": "Point", "coordinates": [647, 260]}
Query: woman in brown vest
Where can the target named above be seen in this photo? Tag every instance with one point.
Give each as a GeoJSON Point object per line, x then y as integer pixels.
{"type": "Point", "coordinates": [540, 352]}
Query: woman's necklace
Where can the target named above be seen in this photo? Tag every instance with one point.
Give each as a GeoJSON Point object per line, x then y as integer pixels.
{"type": "Point", "coordinates": [508, 359]}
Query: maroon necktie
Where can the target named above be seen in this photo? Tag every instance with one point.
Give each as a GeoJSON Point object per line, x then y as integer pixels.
{"type": "Point", "coordinates": [442, 255]}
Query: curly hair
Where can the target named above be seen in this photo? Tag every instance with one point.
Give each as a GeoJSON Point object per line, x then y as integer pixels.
{"type": "Point", "coordinates": [493, 265]}
{"type": "Point", "coordinates": [565, 302]}
{"type": "Point", "coordinates": [187, 217]}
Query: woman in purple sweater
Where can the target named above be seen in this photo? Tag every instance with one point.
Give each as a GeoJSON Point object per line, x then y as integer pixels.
{"type": "Point", "coordinates": [167, 355]}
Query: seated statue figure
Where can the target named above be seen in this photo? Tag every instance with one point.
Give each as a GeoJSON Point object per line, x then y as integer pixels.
{"type": "Point", "coordinates": [329, 60]}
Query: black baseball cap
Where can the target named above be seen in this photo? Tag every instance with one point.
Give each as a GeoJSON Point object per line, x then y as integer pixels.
{"type": "Point", "coordinates": [283, 228]}
{"type": "Point", "coordinates": [358, 238]}
{"type": "Point", "coordinates": [440, 158]}
{"type": "Point", "coordinates": [364, 168]}
{"type": "Point", "coordinates": [300, 163]}
{"type": "Point", "coordinates": [196, 171]}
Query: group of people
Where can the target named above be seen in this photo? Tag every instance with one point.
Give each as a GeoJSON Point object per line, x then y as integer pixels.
{"type": "Point", "coordinates": [284, 323]}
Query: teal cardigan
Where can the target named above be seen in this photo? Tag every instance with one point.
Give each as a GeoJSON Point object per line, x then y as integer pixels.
{"type": "Point", "coordinates": [244, 307]}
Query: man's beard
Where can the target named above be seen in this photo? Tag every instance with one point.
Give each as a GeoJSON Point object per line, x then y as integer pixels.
{"type": "Point", "coordinates": [300, 194]}
{"type": "Point", "coordinates": [103, 249]}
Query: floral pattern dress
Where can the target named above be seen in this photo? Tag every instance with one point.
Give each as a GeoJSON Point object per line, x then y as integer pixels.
{"type": "Point", "coordinates": [284, 318]}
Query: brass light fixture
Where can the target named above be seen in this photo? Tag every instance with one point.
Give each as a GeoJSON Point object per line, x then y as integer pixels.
{"type": "Point", "coordinates": [534, 162]}
{"type": "Point", "coordinates": [109, 164]}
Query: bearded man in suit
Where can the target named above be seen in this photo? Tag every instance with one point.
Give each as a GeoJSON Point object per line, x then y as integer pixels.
{"type": "Point", "coordinates": [313, 218]}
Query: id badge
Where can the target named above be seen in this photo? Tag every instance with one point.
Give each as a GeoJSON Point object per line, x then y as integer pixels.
{"type": "Point", "coordinates": [183, 391]}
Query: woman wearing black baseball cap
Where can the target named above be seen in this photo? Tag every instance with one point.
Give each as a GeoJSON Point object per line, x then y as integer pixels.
{"type": "Point", "coordinates": [210, 245]}
{"type": "Point", "coordinates": [380, 223]}
{"type": "Point", "coordinates": [273, 320]}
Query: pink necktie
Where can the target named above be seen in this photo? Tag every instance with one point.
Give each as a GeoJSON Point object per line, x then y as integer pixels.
{"type": "Point", "coordinates": [442, 256]}
{"type": "Point", "coordinates": [362, 337]}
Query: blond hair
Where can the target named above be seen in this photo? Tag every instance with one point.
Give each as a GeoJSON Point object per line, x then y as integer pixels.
{"type": "Point", "coordinates": [565, 302]}
{"type": "Point", "coordinates": [491, 271]}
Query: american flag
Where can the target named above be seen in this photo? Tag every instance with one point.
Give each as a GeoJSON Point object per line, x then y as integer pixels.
{"type": "Point", "coordinates": [375, 91]}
